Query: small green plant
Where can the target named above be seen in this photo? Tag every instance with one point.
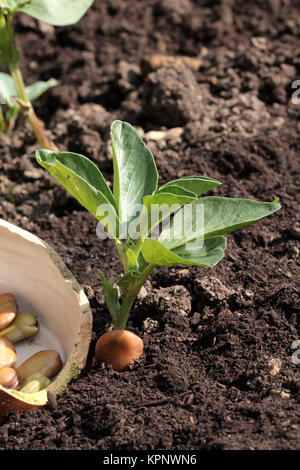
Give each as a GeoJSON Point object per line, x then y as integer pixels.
{"type": "Point", "coordinates": [13, 92]}
{"type": "Point", "coordinates": [192, 231]}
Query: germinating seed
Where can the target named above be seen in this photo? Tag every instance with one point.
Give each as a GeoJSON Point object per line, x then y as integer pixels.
{"type": "Point", "coordinates": [24, 326]}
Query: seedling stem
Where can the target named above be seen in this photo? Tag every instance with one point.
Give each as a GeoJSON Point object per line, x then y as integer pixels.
{"type": "Point", "coordinates": [130, 296]}
{"type": "Point", "coordinates": [27, 109]}
{"type": "Point", "coordinates": [16, 96]}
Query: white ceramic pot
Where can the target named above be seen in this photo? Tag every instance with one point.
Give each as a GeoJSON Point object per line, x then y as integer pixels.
{"type": "Point", "coordinates": [34, 273]}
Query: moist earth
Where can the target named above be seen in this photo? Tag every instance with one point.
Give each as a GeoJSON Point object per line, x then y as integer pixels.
{"type": "Point", "coordinates": [217, 371]}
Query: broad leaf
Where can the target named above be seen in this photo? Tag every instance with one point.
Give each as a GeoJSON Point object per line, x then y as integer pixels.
{"type": "Point", "coordinates": [221, 215]}
{"type": "Point", "coordinates": [224, 215]}
{"type": "Point", "coordinates": [7, 89]}
{"type": "Point", "coordinates": [84, 181]}
{"type": "Point", "coordinates": [195, 184]}
{"type": "Point", "coordinates": [211, 252]}
{"type": "Point", "coordinates": [158, 207]}
{"type": "Point", "coordinates": [176, 193]}
{"type": "Point", "coordinates": [174, 189]}
{"type": "Point", "coordinates": [35, 90]}
{"type": "Point", "coordinates": [57, 12]}
{"type": "Point", "coordinates": [135, 173]}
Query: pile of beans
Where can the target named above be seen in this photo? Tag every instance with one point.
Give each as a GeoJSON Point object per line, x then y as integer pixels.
{"type": "Point", "coordinates": [37, 371]}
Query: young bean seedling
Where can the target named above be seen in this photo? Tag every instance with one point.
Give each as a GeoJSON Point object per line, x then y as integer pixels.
{"type": "Point", "coordinates": [191, 229]}
{"type": "Point", "coordinates": [13, 92]}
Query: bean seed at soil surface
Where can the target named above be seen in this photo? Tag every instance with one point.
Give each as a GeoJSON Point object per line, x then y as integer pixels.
{"type": "Point", "coordinates": [119, 348]}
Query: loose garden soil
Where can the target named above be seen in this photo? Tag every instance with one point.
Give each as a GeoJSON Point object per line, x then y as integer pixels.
{"type": "Point", "coordinates": [217, 371]}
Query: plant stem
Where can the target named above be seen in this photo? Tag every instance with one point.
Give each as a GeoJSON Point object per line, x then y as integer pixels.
{"type": "Point", "coordinates": [122, 255]}
{"type": "Point", "coordinates": [130, 297]}
{"type": "Point", "coordinates": [10, 59]}
{"type": "Point", "coordinates": [28, 111]}
{"type": "Point", "coordinates": [2, 121]}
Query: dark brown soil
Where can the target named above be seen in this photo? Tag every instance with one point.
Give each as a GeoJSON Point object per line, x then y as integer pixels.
{"type": "Point", "coordinates": [217, 372]}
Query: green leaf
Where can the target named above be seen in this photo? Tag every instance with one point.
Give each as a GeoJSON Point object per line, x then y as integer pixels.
{"type": "Point", "coordinates": [7, 89]}
{"type": "Point", "coordinates": [142, 263]}
{"type": "Point", "coordinates": [84, 181]}
{"type": "Point", "coordinates": [174, 189]}
{"type": "Point", "coordinates": [35, 90]}
{"type": "Point", "coordinates": [57, 12]}
{"type": "Point", "coordinates": [130, 257]}
{"type": "Point", "coordinates": [208, 255]}
{"type": "Point", "coordinates": [11, 5]}
{"type": "Point", "coordinates": [111, 296]}
{"type": "Point", "coordinates": [135, 173]}
{"type": "Point", "coordinates": [193, 184]}
{"type": "Point", "coordinates": [224, 215]}
{"type": "Point", "coordinates": [158, 207]}
{"type": "Point", "coordinates": [129, 278]}
{"type": "Point", "coordinates": [170, 198]}
{"type": "Point", "coordinates": [8, 51]}
{"type": "Point", "coordinates": [221, 215]}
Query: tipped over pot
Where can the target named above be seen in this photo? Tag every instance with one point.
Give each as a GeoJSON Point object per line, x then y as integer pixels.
{"type": "Point", "coordinates": [34, 273]}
